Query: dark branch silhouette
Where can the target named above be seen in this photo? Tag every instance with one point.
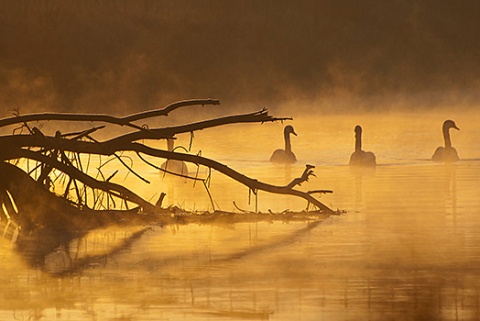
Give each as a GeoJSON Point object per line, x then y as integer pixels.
{"type": "Point", "coordinates": [122, 121]}
{"type": "Point", "coordinates": [50, 151]}
{"type": "Point", "coordinates": [30, 209]}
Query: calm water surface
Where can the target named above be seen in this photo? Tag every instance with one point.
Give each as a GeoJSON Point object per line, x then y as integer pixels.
{"type": "Point", "coordinates": [408, 247]}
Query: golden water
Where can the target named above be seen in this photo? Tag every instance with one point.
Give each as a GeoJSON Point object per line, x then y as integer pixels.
{"type": "Point", "coordinates": [407, 248]}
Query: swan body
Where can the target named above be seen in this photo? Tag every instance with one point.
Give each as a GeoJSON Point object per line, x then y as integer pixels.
{"type": "Point", "coordinates": [285, 156]}
{"type": "Point", "coordinates": [173, 165]}
{"type": "Point", "coordinates": [360, 157]}
{"type": "Point", "coordinates": [446, 154]}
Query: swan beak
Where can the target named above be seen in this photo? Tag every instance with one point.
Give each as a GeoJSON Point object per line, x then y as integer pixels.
{"type": "Point", "coordinates": [456, 127]}
{"type": "Point", "coordinates": [293, 132]}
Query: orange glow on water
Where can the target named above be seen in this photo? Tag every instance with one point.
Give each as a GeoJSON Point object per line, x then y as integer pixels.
{"type": "Point", "coordinates": [406, 246]}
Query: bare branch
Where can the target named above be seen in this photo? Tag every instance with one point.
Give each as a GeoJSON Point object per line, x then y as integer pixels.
{"type": "Point", "coordinates": [159, 133]}
{"type": "Point", "coordinates": [75, 174]}
{"type": "Point", "coordinates": [320, 191]}
{"type": "Point", "coordinates": [261, 116]}
{"type": "Point", "coordinates": [122, 121]}
{"type": "Point", "coordinates": [304, 178]}
{"type": "Point", "coordinates": [49, 154]}
{"type": "Point", "coordinates": [165, 111]}
{"type": "Point", "coordinates": [109, 149]}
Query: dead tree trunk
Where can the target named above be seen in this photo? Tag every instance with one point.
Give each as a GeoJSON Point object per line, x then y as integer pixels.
{"type": "Point", "coordinates": [61, 151]}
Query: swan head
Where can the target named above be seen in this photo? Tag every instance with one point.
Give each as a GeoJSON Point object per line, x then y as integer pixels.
{"type": "Point", "coordinates": [289, 130]}
{"type": "Point", "coordinates": [358, 131]}
{"type": "Point", "coordinates": [449, 124]}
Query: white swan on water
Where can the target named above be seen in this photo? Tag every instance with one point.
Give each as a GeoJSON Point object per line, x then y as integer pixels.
{"type": "Point", "coordinates": [448, 153]}
{"type": "Point", "coordinates": [360, 157]}
{"type": "Point", "coordinates": [285, 156]}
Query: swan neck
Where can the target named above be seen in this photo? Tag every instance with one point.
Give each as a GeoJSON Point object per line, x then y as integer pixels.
{"type": "Point", "coordinates": [288, 146]}
{"type": "Point", "coordinates": [170, 144]}
{"type": "Point", "coordinates": [446, 137]}
{"type": "Point", "coordinates": [358, 142]}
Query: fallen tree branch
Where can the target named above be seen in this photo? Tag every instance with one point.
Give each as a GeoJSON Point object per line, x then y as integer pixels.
{"type": "Point", "coordinates": [106, 186]}
{"type": "Point", "coordinates": [43, 220]}
{"type": "Point", "coordinates": [49, 151]}
{"type": "Point", "coordinates": [158, 133]}
{"type": "Point", "coordinates": [165, 111]}
{"type": "Point", "coordinates": [122, 121]}
{"type": "Point", "coordinates": [109, 149]}
{"type": "Point", "coordinates": [320, 191]}
{"type": "Point", "coordinates": [167, 132]}
{"type": "Point", "coordinates": [304, 178]}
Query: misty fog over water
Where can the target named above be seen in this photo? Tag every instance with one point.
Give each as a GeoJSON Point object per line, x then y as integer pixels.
{"type": "Point", "coordinates": [407, 246]}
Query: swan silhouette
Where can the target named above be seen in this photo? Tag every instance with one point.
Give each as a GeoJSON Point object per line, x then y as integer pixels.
{"type": "Point", "coordinates": [360, 157]}
{"type": "Point", "coordinates": [173, 165]}
{"type": "Point", "coordinates": [285, 156]}
{"type": "Point", "coordinates": [448, 153]}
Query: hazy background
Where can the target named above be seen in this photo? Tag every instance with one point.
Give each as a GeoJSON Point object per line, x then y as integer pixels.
{"type": "Point", "coordinates": [327, 55]}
